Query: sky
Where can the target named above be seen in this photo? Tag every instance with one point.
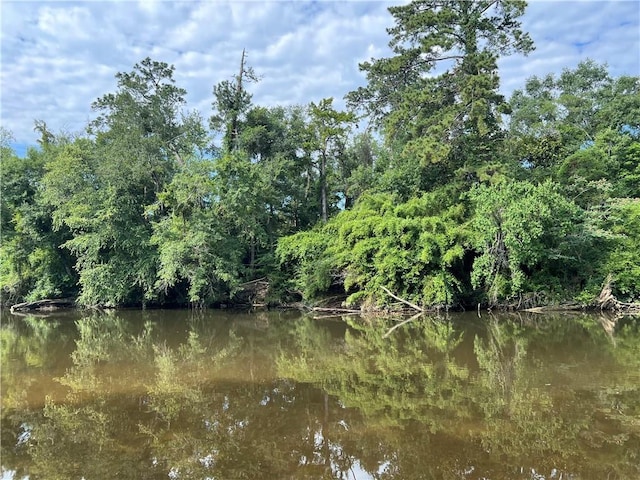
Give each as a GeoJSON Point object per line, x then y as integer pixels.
{"type": "Point", "coordinates": [58, 57]}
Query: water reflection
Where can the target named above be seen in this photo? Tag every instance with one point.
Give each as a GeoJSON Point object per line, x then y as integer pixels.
{"type": "Point", "coordinates": [193, 395]}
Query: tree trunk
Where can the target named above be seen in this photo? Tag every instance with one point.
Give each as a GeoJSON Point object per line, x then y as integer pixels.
{"type": "Point", "coordinates": [323, 187]}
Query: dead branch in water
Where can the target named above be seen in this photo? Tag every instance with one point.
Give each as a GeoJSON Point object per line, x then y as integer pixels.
{"type": "Point", "coordinates": [406, 302]}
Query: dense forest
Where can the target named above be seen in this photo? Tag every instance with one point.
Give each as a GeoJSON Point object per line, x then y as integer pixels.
{"type": "Point", "coordinates": [452, 196]}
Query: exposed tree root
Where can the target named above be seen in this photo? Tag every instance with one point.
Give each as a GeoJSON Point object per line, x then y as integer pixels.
{"type": "Point", "coordinates": [608, 301]}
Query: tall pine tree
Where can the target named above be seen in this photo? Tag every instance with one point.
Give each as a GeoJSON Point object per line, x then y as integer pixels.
{"type": "Point", "coordinates": [436, 99]}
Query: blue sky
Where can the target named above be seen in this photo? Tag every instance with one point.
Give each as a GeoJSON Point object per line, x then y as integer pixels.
{"type": "Point", "coordinates": [58, 57]}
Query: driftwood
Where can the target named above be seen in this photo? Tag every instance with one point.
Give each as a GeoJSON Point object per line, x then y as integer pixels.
{"type": "Point", "coordinates": [339, 316]}
{"type": "Point", "coordinates": [46, 304]}
{"type": "Point", "coordinates": [605, 301]}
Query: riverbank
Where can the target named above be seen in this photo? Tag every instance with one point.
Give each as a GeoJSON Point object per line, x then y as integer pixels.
{"type": "Point", "coordinates": [254, 296]}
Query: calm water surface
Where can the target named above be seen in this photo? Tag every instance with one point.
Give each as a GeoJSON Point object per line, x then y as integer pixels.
{"type": "Point", "coordinates": [211, 395]}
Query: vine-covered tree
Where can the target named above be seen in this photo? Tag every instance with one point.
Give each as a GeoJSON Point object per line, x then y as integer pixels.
{"type": "Point", "coordinates": [529, 237]}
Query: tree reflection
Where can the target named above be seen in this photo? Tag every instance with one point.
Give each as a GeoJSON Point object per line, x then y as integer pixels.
{"type": "Point", "coordinates": [270, 397]}
{"type": "Point", "coordinates": [502, 413]}
{"type": "Point", "coordinates": [28, 349]}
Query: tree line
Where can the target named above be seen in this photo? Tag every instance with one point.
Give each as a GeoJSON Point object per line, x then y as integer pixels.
{"type": "Point", "coordinates": [454, 196]}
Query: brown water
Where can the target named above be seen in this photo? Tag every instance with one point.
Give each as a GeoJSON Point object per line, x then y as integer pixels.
{"type": "Point", "coordinates": [215, 395]}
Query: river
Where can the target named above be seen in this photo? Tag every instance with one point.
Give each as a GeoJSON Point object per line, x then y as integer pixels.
{"type": "Point", "coordinates": [280, 395]}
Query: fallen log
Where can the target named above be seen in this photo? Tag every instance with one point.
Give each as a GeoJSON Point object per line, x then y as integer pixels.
{"type": "Point", "coordinates": [46, 304]}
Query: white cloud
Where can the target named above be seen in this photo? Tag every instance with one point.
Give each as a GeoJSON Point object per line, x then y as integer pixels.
{"type": "Point", "coordinates": [70, 23]}
{"type": "Point", "coordinates": [568, 32]}
{"type": "Point", "coordinates": [57, 58]}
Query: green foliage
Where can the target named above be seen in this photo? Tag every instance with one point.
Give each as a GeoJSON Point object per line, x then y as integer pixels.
{"type": "Point", "coordinates": [100, 190]}
{"type": "Point", "coordinates": [231, 104]}
{"type": "Point", "coordinates": [362, 165]}
{"type": "Point", "coordinates": [607, 168]}
{"type": "Point", "coordinates": [556, 117]}
{"type": "Point", "coordinates": [527, 236]}
{"type": "Point", "coordinates": [411, 248]}
{"type": "Point", "coordinates": [327, 133]}
{"type": "Point", "coordinates": [146, 210]}
{"type": "Point", "coordinates": [192, 236]}
{"type": "Point", "coordinates": [566, 105]}
{"type": "Point", "coordinates": [624, 260]}
{"type": "Point", "coordinates": [276, 140]}
{"type": "Point", "coordinates": [303, 255]}
{"type": "Point", "coordinates": [620, 104]}
{"type": "Point", "coordinates": [32, 264]}
{"type": "Point", "coordinates": [108, 236]}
